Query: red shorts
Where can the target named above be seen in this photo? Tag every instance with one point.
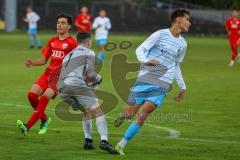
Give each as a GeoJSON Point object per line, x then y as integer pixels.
{"type": "Point", "coordinates": [47, 80]}
{"type": "Point", "coordinates": [233, 39]}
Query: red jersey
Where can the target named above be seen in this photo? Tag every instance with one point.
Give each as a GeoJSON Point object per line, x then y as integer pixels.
{"type": "Point", "coordinates": [84, 20]}
{"type": "Point", "coordinates": [56, 50]}
{"type": "Point", "coordinates": [233, 25]}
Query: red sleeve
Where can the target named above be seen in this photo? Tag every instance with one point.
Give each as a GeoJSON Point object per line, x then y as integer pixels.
{"type": "Point", "coordinates": [47, 50]}
{"type": "Point", "coordinates": [227, 24]}
{"type": "Point", "coordinates": [77, 19]}
{"type": "Point", "coordinates": [90, 18]}
{"type": "Point", "coordinates": [238, 24]}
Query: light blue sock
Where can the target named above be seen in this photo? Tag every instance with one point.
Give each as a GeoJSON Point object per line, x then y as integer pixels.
{"type": "Point", "coordinates": [38, 41]}
{"type": "Point", "coordinates": [31, 40]}
{"type": "Point", "coordinates": [131, 131]}
{"type": "Point", "coordinates": [101, 56]}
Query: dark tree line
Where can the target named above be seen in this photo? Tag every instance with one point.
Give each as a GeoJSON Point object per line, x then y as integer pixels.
{"type": "Point", "coordinates": [217, 4]}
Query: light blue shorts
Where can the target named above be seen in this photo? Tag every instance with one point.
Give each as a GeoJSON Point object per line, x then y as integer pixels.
{"type": "Point", "coordinates": [101, 42]}
{"type": "Point", "coordinates": [142, 92]}
{"type": "Point", "coordinates": [32, 31]}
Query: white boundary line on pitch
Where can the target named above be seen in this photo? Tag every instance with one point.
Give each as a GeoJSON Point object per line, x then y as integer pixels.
{"type": "Point", "coordinates": [207, 141]}
{"type": "Point", "coordinates": [173, 134]}
{"type": "Point", "coordinates": [19, 105]}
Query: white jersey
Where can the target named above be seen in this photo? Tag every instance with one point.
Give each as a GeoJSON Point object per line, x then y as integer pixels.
{"type": "Point", "coordinates": [102, 31]}
{"type": "Point", "coordinates": [169, 51]}
{"type": "Point", "coordinates": [32, 19]}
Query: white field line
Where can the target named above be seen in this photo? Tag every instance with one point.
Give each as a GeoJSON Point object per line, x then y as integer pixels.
{"type": "Point", "coordinates": [173, 134]}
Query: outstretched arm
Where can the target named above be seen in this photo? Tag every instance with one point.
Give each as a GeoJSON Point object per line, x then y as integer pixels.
{"type": "Point", "coordinates": [227, 26]}
{"type": "Point", "coordinates": [39, 62]}
{"type": "Point", "coordinates": [180, 82]}
{"type": "Point", "coordinates": [79, 26]}
{"type": "Point", "coordinates": [25, 19]}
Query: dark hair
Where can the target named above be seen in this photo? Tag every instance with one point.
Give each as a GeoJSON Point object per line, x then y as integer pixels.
{"type": "Point", "coordinates": [82, 36]}
{"type": "Point", "coordinates": [67, 16]}
{"type": "Point", "coordinates": [29, 6]}
{"type": "Point", "coordinates": [179, 13]}
{"type": "Point", "coordinates": [102, 9]}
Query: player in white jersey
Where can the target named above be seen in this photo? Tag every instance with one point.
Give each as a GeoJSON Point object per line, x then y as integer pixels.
{"type": "Point", "coordinates": [32, 18]}
{"type": "Point", "coordinates": [75, 84]}
{"type": "Point", "coordinates": [160, 56]}
{"type": "Point", "coordinates": [101, 24]}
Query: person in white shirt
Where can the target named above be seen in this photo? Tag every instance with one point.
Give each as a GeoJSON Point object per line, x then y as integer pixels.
{"type": "Point", "coordinates": [101, 25]}
{"type": "Point", "coordinates": [160, 56]}
{"type": "Point", "coordinates": [32, 18]}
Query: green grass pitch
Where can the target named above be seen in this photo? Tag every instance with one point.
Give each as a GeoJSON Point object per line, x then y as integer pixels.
{"type": "Point", "coordinates": [208, 127]}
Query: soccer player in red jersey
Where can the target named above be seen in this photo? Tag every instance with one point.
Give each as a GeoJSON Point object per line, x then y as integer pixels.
{"type": "Point", "coordinates": [233, 29]}
{"type": "Point", "coordinates": [45, 87]}
{"type": "Point", "coordinates": [83, 21]}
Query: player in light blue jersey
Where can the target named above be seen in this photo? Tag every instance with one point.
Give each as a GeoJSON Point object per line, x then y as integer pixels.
{"type": "Point", "coordinates": [32, 18]}
{"type": "Point", "coordinates": [101, 25]}
{"type": "Point", "coordinates": [160, 56]}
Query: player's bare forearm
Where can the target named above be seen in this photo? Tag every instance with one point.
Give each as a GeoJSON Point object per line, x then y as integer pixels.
{"type": "Point", "coordinates": [79, 26]}
{"type": "Point", "coordinates": [180, 95]}
{"type": "Point", "coordinates": [39, 62]}
{"type": "Point", "coordinates": [24, 19]}
{"type": "Point", "coordinates": [152, 62]}
{"type": "Point", "coordinates": [98, 26]}
{"type": "Point", "coordinates": [228, 31]}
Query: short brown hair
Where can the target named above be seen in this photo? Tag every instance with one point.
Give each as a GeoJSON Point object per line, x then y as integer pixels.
{"type": "Point", "coordinates": [82, 36]}
{"type": "Point", "coordinates": [67, 16]}
{"type": "Point", "coordinates": [179, 13]}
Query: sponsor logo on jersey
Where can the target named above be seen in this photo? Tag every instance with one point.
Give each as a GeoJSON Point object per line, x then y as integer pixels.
{"type": "Point", "coordinates": [65, 45]}
{"type": "Point", "coordinates": [85, 21]}
{"type": "Point", "coordinates": [58, 54]}
{"type": "Point", "coordinates": [235, 26]}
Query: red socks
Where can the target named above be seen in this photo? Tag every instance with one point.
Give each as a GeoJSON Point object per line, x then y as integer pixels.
{"type": "Point", "coordinates": [38, 113]}
{"type": "Point", "coordinates": [33, 99]}
{"type": "Point", "coordinates": [234, 52]}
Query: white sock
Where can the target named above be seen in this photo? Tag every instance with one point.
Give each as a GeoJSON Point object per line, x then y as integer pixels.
{"type": "Point", "coordinates": [102, 127]}
{"type": "Point", "coordinates": [87, 128]}
{"type": "Point", "coordinates": [231, 63]}
{"type": "Point", "coordinates": [123, 142]}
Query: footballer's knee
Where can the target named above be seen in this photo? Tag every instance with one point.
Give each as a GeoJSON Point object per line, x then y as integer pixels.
{"type": "Point", "coordinates": [140, 123]}
{"type": "Point", "coordinates": [36, 89]}
{"type": "Point", "coordinates": [97, 111]}
{"type": "Point", "coordinates": [129, 113]}
{"type": "Point", "coordinates": [34, 35]}
{"type": "Point", "coordinates": [86, 116]}
{"type": "Point", "coordinates": [49, 93]}
{"type": "Point", "coordinates": [101, 48]}
{"type": "Point", "coordinates": [130, 110]}
{"type": "Point", "coordinates": [141, 117]}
